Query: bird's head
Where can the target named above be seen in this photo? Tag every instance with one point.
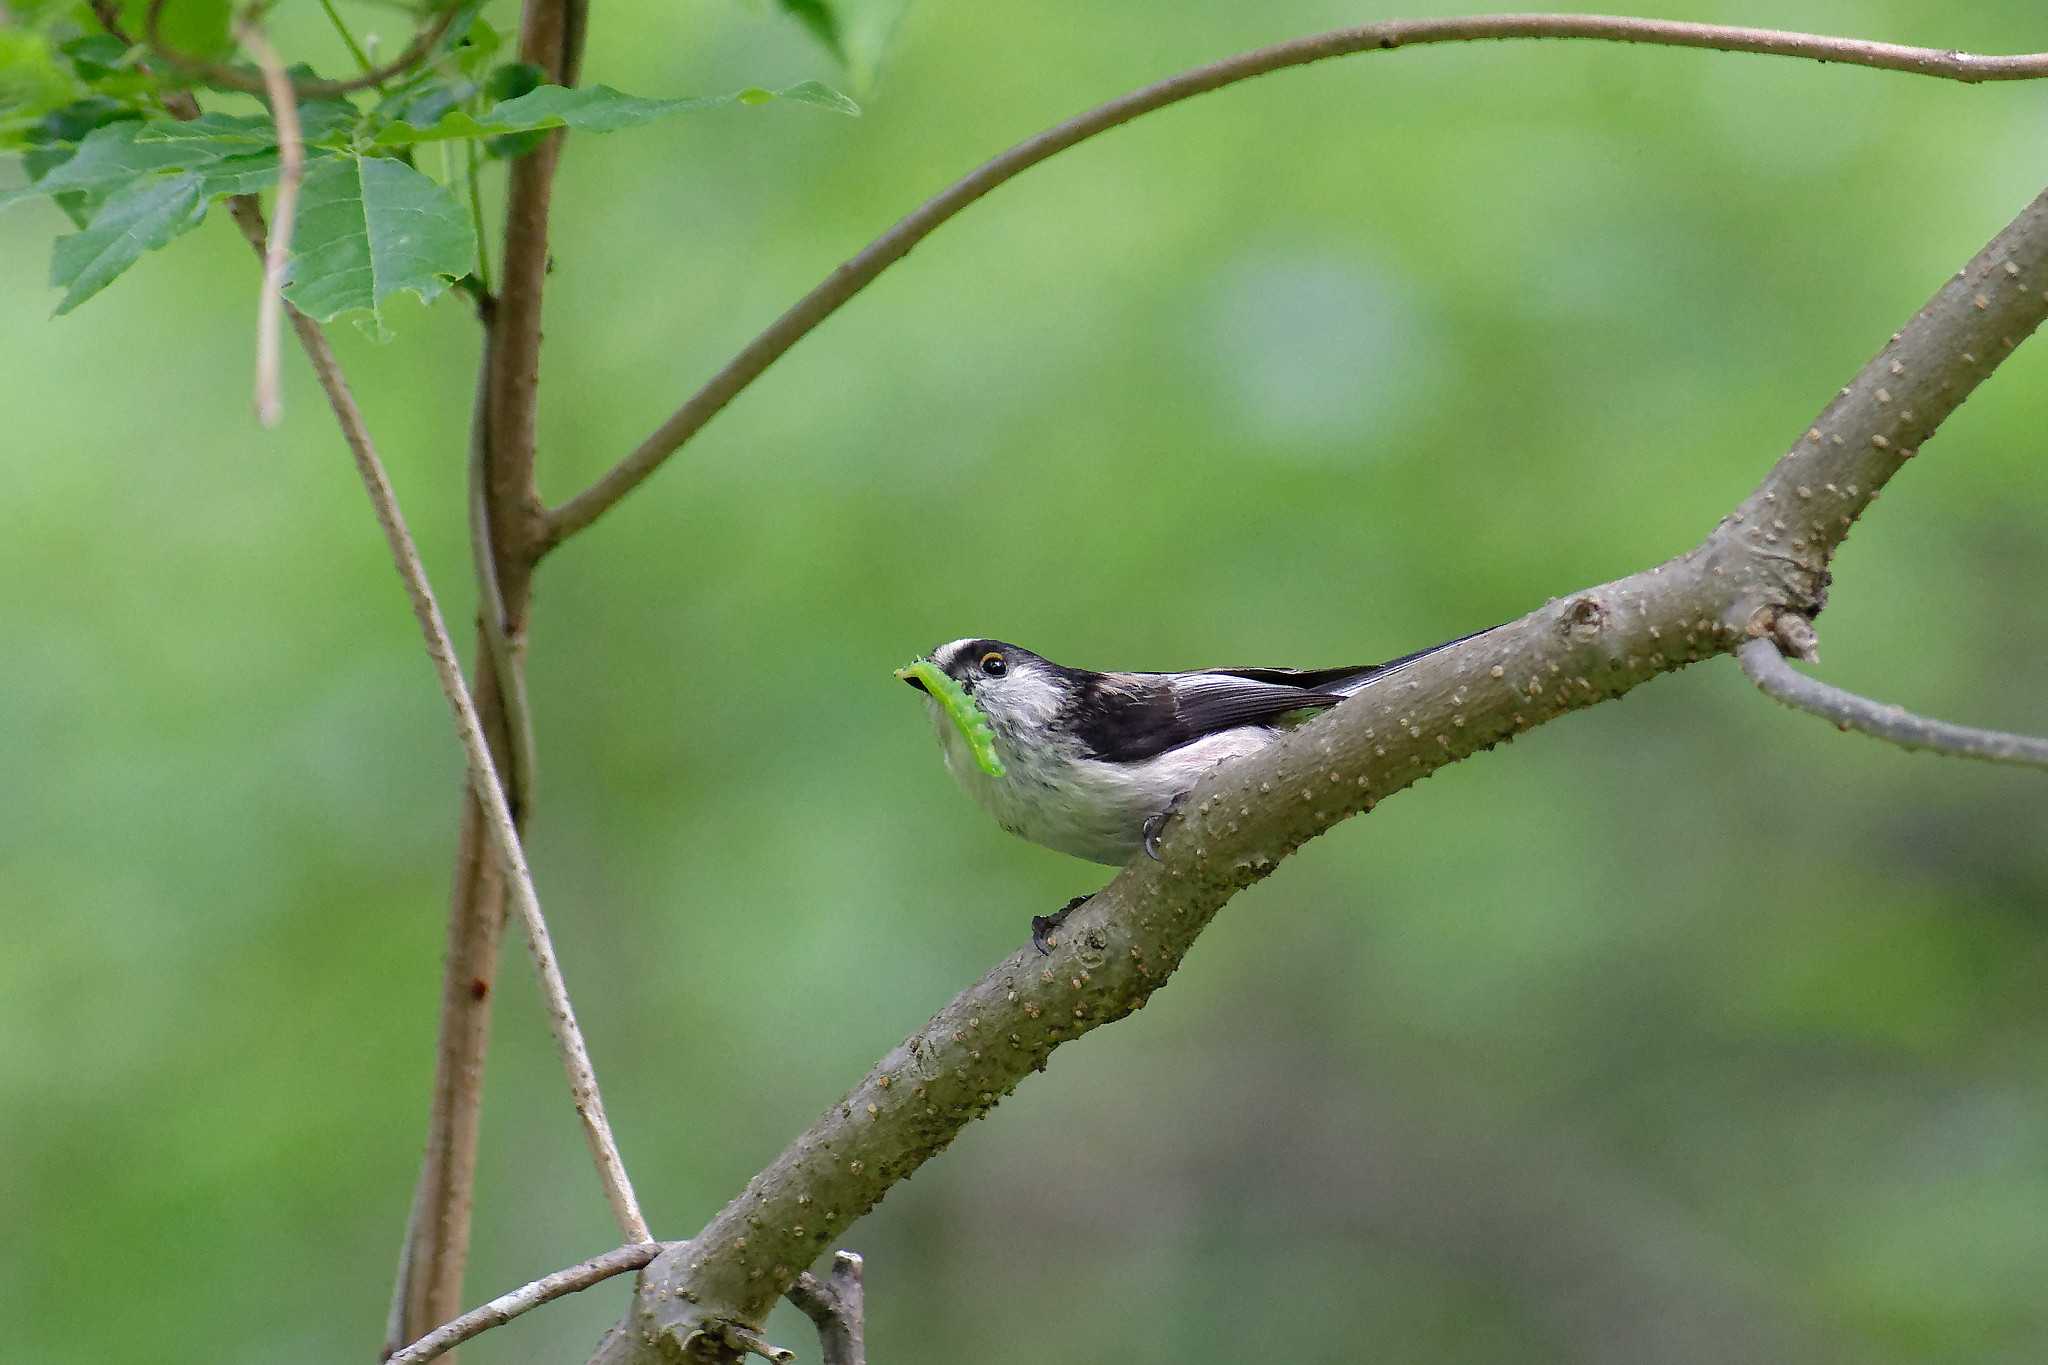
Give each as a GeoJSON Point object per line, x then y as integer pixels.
{"type": "Point", "coordinates": [1018, 693]}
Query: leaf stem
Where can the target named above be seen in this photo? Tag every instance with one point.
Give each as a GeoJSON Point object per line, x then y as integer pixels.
{"type": "Point", "coordinates": [473, 174]}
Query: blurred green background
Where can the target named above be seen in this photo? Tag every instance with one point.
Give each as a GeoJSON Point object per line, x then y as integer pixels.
{"type": "Point", "coordinates": [1685, 1030]}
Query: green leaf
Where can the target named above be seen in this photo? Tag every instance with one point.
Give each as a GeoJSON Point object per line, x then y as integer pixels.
{"type": "Point", "coordinates": [33, 82]}
{"type": "Point", "coordinates": [328, 122]}
{"type": "Point", "coordinates": [477, 49]}
{"type": "Point", "coordinates": [53, 141]}
{"type": "Point", "coordinates": [822, 21]}
{"type": "Point", "coordinates": [97, 55]}
{"type": "Point", "coordinates": [140, 218]}
{"type": "Point", "coordinates": [255, 130]}
{"type": "Point", "coordinates": [72, 122]}
{"type": "Point", "coordinates": [240, 175]}
{"type": "Point", "coordinates": [594, 109]}
{"type": "Point", "coordinates": [116, 155]}
{"type": "Point", "coordinates": [39, 162]}
{"type": "Point", "coordinates": [423, 101]}
{"type": "Point", "coordinates": [814, 93]}
{"type": "Point", "coordinates": [198, 28]}
{"type": "Point", "coordinates": [590, 109]}
{"type": "Point", "coordinates": [512, 79]}
{"type": "Point", "coordinates": [370, 227]}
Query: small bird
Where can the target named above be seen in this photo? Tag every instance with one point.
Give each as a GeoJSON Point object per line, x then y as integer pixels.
{"type": "Point", "coordinates": [1092, 763]}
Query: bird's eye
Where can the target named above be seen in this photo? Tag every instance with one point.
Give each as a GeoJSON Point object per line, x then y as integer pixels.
{"type": "Point", "coordinates": [993, 665]}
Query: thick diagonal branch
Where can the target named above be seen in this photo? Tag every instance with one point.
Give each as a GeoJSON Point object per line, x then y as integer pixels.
{"type": "Point", "coordinates": [1768, 669]}
{"type": "Point", "coordinates": [1244, 818]}
{"type": "Point", "coordinates": [892, 246]}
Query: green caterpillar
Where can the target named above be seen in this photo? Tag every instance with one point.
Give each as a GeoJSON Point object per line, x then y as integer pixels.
{"type": "Point", "coordinates": [953, 698]}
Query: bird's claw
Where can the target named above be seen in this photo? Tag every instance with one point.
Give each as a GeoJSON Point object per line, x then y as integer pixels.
{"type": "Point", "coordinates": [1043, 926]}
{"type": "Point", "coordinates": [1156, 822]}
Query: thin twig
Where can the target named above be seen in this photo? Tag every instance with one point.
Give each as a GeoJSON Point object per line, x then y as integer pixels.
{"type": "Point", "coordinates": [108, 12]}
{"type": "Point", "coordinates": [525, 1299]}
{"type": "Point", "coordinates": [750, 1342]}
{"type": "Point", "coordinates": [291, 151]}
{"type": "Point", "coordinates": [1768, 669]}
{"type": "Point", "coordinates": [472, 173]}
{"type": "Point", "coordinates": [838, 1306]}
{"type": "Point", "coordinates": [229, 77]}
{"type": "Point", "coordinates": [401, 1291]}
{"type": "Point", "coordinates": [179, 104]}
{"type": "Point", "coordinates": [355, 49]}
{"type": "Point", "coordinates": [853, 276]}
{"type": "Point", "coordinates": [482, 771]}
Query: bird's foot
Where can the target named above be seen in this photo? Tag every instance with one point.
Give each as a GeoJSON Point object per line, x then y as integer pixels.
{"type": "Point", "coordinates": [1044, 926]}
{"type": "Point", "coordinates": [1156, 822]}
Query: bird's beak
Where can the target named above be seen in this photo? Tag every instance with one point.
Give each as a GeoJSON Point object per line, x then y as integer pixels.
{"type": "Point", "coordinates": [913, 680]}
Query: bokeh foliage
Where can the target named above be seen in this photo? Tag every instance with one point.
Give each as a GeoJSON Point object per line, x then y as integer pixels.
{"type": "Point", "coordinates": [1684, 1030]}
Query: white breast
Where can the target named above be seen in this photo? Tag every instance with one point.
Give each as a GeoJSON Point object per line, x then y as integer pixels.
{"type": "Point", "coordinates": [1052, 795]}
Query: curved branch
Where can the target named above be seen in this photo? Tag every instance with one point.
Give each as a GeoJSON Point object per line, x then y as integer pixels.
{"type": "Point", "coordinates": [1767, 668]}
{"type": "Point", "coordinates": [226, 77]}
{"type": "Point", "coordinates": [856, 274]}
{"type": "Point", "coordinates": [525, 1299]}
{"type": "Point", "coordinates": [1243, 818]}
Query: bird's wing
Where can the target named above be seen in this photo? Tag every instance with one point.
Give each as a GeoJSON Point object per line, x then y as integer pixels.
{"type": "Point", "coordinates": [1343, 680]}
{"type": "Point", "coordinates": [1305, 679]}
{"type": "Point", "coordinates": [1211, 701]}
{"type": "Point", "coordinates": [1130, 717]}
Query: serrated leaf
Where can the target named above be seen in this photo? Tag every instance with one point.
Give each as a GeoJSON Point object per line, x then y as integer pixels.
{"type": "Point", "coordinates": [478, 48]}
{"type": "Point", "coordinates": [370, 227]}
{"type": "Point", "coordinates": [254, 129]}
{"type": "Point", "coordinates": [421, 102]}
{"type": "Point", "coordinates": [594, 109]}
{"type": "Point", "coordinates": [819, 96]}
{"type": "Point", "coordinates": [113, 156]}
{"type": "Point", "coordinates": [320, 121]}
{"type": "Point", "coordinates": [39, 162]}
{"type": "Point", "coordinates": [241, 175]}
{"type": "Point", "coordinates": [140, 218]}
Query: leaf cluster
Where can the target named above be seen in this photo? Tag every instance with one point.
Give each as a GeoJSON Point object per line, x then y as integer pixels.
{"type": "Point", "coordinates": [104, 128]}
